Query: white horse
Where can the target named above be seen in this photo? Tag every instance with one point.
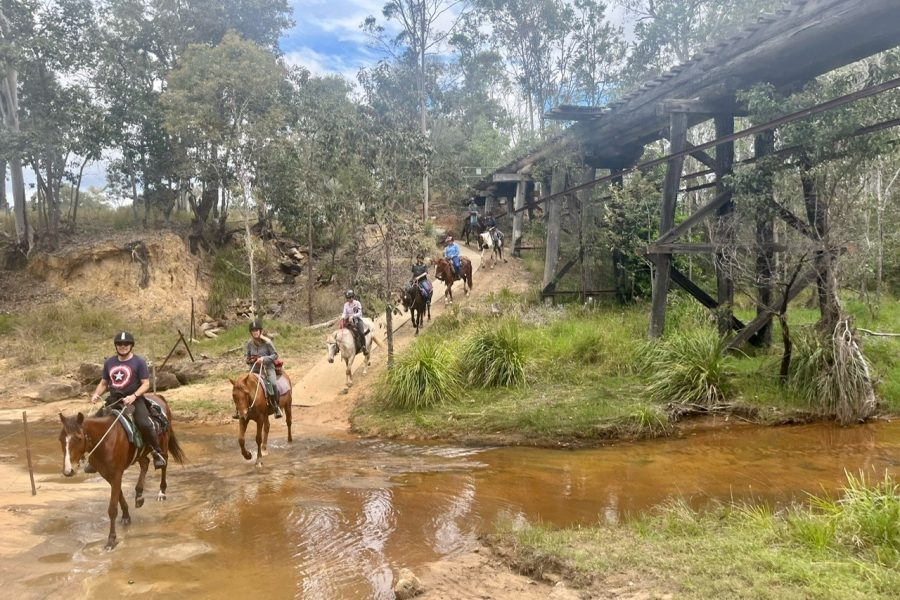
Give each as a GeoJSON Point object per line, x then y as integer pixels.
{"type": "Point", "coordinates": [344, 342]}
{"type": "Point", "coordinates": [493, 241]}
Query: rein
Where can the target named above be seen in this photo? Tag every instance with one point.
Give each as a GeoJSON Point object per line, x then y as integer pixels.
{"type": "Point", "coordinates": [258, 384]}
{"type": "Point", "coordinates": [103, 437]}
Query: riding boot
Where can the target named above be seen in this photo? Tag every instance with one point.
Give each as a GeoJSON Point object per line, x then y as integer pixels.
{"type": "Point", "coordinates": [273, 400]}
{"type": "Point", "coordinates": [159, 460]}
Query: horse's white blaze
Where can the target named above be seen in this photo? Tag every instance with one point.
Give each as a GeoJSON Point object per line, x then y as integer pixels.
{"type": "Point", "coordinates": [67, 461]}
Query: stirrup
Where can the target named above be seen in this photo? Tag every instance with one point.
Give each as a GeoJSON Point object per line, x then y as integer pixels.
{"type": "Point", "coordinates": [159, 460]}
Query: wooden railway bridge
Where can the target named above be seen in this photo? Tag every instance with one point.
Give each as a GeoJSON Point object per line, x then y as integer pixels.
{"type": "Point", "coordinates": [786, 49]}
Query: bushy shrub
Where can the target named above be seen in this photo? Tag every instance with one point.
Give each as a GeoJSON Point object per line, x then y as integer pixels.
{"type": "Point", "coordinates": [425, 375]}
{"type": "Point", "coordinates": [494, 356]}
{"type": "Point", "coordinates": [688, 367]}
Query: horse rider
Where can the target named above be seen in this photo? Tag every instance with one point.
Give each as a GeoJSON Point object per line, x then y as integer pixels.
{"type": "Point", "coordinates": [451, 252]}
{"type": "Point", "coordinates": [420, 276]}
{"type": "Point", "coordinates": [352, 318]}
{"type": "Point", "coordinates": [127, 378]}
{"type": "Point", "coordinates": [261, 355]}
{"type": "Point", "coordinates": [473, 216]}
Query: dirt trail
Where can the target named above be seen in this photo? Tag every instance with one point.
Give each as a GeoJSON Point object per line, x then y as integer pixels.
{"type": "Point", "coordinates": [322, 402]}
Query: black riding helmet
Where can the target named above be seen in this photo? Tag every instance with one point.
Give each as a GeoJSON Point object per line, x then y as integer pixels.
{"type": "Point", "coordinates": [256, 324]}
{"type": "Point", "coordinates": [349, 294]}
{"type": "Point", "coordinates": [124, 337]}
{"type": "Point", "coordinates": [420, 257]}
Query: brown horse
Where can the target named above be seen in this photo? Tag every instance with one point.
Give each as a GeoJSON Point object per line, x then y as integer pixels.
{"type": "Point", "coordinates": [104, 444]}
{"type": "Point", "coordinates": [444, 271]}
{"type": "Point", "coordinates": [249, 394]}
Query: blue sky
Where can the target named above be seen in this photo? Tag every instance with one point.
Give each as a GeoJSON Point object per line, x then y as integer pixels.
{"type": "Point", "coordinates": [327, 37]}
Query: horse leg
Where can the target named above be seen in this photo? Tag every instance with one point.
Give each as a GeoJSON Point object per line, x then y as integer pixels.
{"type": "Point", "coordinates": [349, 372]}
{"type": "Point", "coordinates": [244, 452]}
{"type": "Point", "coordinates": [258, 445]}
{"type": "Point", "coordinates": [144, 461]}
{"type": "Point", "coordinates": [162, 483]}
{"type": "Point", "coordinates": [288, 400]}
{"type": "Point", "coordinates": [428, 309]}
{"type": "Point", "coordinates": [265, 437]}
{"type": "Point", "coordinates": [115, 494]}
{"type": "Point", "coordinates": [126, 518]}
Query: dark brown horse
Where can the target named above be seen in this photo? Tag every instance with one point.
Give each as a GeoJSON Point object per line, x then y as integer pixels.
{"type": "Point", "coordinates": [470, 229]}
{"type": "Point", "coordinates": [413, 300]}
{"type": "Point", "coordinates": [249, 395]}
{"type": "Point", "coordinates": [104, 444]}
{"type": "Point", "coordinates": [444, 271]}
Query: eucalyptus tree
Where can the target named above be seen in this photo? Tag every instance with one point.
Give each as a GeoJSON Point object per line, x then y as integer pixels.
{"type": "Point", "coordinates": [311, 175]}
{"type": "Point", "coordinates": [225, 105]}
{"type": "Point", "coordinates": [9, 125]}
{"type": "Point", "coordinates": [391, 156]}
{"type": "Point", "coordinates": [52, 44]}
{"type": "Point", "coordinates": [422, 31]}
{"type": "Point", "coordinates": [668, 32]}
{"type": "Point", "coordinates": [598, 54]}
{"type": "Point", "coordinates": [143, 40]}
{"type": "Point", "coordinates": [534, 37]}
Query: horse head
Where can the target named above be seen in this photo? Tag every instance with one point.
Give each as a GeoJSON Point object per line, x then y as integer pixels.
{"type": "Point", "coordinates": [73, 440]}
{"type": "Point", "coordinates": [442, 270]}
{"type": "Point", "coordinates": [332, 345]}
{"type": "Point", "coordinates": [244, 391]}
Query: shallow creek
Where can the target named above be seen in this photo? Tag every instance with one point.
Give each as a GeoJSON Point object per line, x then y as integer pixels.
{"type": "Point", "coordinates": [335, 517]}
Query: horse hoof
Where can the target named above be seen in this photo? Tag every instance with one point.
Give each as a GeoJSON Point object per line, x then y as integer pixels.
{"type": "Point", "coordinates": [259, 465]}
{"type": "Point", "coordinates": [126, 520]}
{"type": "Point", "coordinates": [264, 453]}
{"type": "Point", "coordinates": [160, 497]}
{"type": "Point", "coordinates": [139, 502]}
{"type": "Point", "coordinates": [246, 455]}
{"type": "Point", "coordinates": [110, 544]}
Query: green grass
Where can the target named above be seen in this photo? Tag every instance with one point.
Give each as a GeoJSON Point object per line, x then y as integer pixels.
{"type": "Point", "coordinates": [495, 356]}
{"type": "Point", "coordinates": [844, 548]}
{"type": "Point", "coordinates": [583, 381]}
{"type": "Point", "coordinates": [425, 376]}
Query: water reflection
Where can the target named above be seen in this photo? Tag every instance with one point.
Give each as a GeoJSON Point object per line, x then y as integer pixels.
{"type": "Point", "coordinates": [329, 518]}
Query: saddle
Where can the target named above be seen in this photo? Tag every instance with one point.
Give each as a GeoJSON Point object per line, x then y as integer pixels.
{"type": "Point", "coordinates": [126, 420]}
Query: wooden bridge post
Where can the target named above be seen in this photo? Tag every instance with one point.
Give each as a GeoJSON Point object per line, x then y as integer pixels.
{"type": "Point", "coordinates": [764, 145]}
{"type": "Point", "coordinates": [488, 205]}
{"type": "Point", "coordinates": [661, 276]}
{"type": "Point", "coordinates": [518, 215]}
{"type": "Point", "coordinates": [554, 211]}
{"type": "Point", "coordinates": [724, 224]}
{"type": "Point", "coordinates": [588, 245]}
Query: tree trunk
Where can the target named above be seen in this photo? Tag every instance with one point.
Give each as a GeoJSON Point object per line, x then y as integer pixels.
{"type": "Point", "coordinates": [4, 205]}
{"type": "Point", "coordinates": [309, 266]}
{"type": "Point", "coordinates": [248, 242]}
{"type": "Point", "coordinates": [9, 109]}
{"type": "Point", "coordinates": [388, 283]}
{"type": "Point", "coordinates": [826, 285]}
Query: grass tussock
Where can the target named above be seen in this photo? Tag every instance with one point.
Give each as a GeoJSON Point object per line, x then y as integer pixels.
{"type": "Point", "coordinates": [688, 367]}
{"type": "Point", "coordinates": [495, 356]}
{"type": "Point", "coordinates": [833, 375]}
{"type": "Point", "coordinates": [424, 377]}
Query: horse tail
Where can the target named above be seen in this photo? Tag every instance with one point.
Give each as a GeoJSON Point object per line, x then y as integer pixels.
{"type": "Point", "coordinates": [175, 448]}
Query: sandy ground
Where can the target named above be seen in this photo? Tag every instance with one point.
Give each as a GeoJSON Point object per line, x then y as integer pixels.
{"type": "Point", "coordinates": [322, 402]}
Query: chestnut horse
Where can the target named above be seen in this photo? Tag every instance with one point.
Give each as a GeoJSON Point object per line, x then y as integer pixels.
{"type": "Point", "coordinates": [104, 444]}
{"type": "Point", "coordinates": [249, 394]}
{"type": "Point", "coordinates": [444, 271]}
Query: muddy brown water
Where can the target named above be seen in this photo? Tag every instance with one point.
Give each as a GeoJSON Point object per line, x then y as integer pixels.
{"type": "Point", "coordinates": [336, 517]}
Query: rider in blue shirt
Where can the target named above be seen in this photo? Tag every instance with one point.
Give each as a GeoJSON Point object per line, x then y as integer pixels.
{"type": "Point", "coordinates": [451, 252]}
